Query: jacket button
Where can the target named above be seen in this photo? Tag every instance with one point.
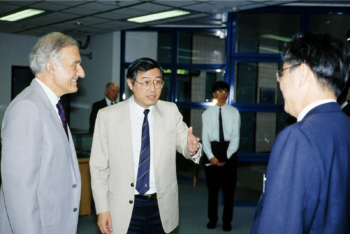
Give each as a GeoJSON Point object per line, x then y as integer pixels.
{"type": "Point", "coordinates": [75, 210]}
{"type": "Point", "coordinates": [132, 184]}
{"type": "Point", "coordinates": [74, 185]}
{"type": "Point", "coordinates": [130, 201]}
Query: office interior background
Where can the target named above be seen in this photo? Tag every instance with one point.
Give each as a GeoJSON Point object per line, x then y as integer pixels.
{"type": "Point", "coordinates": [239, 42]}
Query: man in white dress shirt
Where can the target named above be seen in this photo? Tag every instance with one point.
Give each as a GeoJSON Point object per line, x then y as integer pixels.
{"type": "Point", "coordinates": [133, 157]}
{"type": "Point", "coordinates": [220, 137]}
{"type": "Point", "coordinates": [40, 193]}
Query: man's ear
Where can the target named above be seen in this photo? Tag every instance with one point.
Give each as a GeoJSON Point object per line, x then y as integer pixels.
{"type": "Point", "coordinates": [50, 67]}
{"type": "Point", "coordinates": [131, 86]}
{"type": "Point", "coordinates": [304, 75]}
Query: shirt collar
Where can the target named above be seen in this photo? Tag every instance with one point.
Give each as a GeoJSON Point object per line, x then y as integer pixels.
{"type": "Point", "coordinates": [138, 109]}
{"type": "Point", "coordinates": [312, 106]}
{"type": "Point", "coordinates": [50, 94]}
{"type": "Point", "coordinates": [344, 104]}
{"type": "Point", "coordinates": [224, 106]}
{"type": "Point", "coordinates": [109, 102]}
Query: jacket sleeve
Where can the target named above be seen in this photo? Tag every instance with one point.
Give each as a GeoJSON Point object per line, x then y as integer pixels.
{"type": "Point", "coordinates": [99, 166]}
{"type": "Point", "coordinates": [292, 186]}
{"type": "Point", "coordinates": [22, 138]}
{"type": "Point", "coordinates": [181, 139]}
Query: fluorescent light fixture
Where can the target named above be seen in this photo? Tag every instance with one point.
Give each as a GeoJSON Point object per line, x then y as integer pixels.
{"type": "Point", "coordinates": [22, 14]}
{"type": "Point", "coordinates": [158, 16]}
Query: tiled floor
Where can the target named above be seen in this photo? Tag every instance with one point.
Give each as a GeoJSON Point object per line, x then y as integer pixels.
{"type": "Point", "coordinates": [193, 214]}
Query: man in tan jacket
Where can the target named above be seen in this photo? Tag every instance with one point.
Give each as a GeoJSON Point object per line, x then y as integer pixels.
{"type": "Point", "coordinates": [133, 166]}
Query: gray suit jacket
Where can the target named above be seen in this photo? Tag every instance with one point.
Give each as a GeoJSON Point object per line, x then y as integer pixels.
{"type": "Point", "coordinates": [112, 163]}
{"type": "Point", "coordinates": [41, 185]}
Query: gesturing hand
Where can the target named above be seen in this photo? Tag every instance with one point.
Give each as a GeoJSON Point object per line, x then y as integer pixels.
{"type": "Point", "coordinates": [192, 142]}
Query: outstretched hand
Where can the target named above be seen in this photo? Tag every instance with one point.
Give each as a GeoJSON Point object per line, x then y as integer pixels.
{"type": "Point", "coordinates": [192, 142]}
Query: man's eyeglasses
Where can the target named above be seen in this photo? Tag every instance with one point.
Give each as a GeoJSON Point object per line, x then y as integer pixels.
{"type": "Point", "coordinates": [279, 73]}
{"type": "Point", "coordinates": [158, 84]}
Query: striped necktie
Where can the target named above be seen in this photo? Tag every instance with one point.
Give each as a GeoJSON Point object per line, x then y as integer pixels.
{"type": "Point", "coordinates": [62, 115]}
{"type": "Point", "coordinates": [142, 183]}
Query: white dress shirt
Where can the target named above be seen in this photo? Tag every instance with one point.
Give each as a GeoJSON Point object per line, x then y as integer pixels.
{"type": "Point", "coordinates": [51, 95]}
{"type": "Point", "coordinates": [231, 122]}
{"type": "Point", "coordinates": [312, 106]}
{"type": "Point", "coordinates": [137, 116]}
{"type": "Point", "coordinates": [109, 102]}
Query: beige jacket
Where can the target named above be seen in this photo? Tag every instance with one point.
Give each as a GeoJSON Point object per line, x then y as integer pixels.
{"type": "Point", "coordinates": [112, 166]}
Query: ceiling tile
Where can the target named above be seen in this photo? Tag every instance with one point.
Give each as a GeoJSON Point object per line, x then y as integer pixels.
{"type": "Point", "coordinates": [131, 12]}
{"type": "Point", "coordinates": [204, 7]}
{"type": "Point", "coordinates": [80, 11]}
{"type": "Point", "coordinates": [4, 8]}
{"type": "Point", "coordinates": [270, 3]}
{"type": "Point", "coordinates": [113, 15]}
{"type": "Point", "coordinates": [68, 3]}
{"type": "Point", "coordinates": [151, 7]}
{"type": "Point", "coordinates": [88, 20]}
{"type": "Point", "coordinates": [63, 16]}
{"type": "Point", "coordinates": [176, 3]}
{"type": "Point", "coordinates": [66, 25]}
{"type": "Point", "coordinates": [118, 3]}
{"type": "Point", "coordinates": [48, 6]}
{"type": "Point", "coordinates": [114, 24]}
{"type": "Point", "coordinates": [231, 3]}
{"type": "Point", "coordinates": [19, 3]}
{"type": "Point", "coordinates": [251, 6]}
{"type": "Point", "coordinates": [98, 6]}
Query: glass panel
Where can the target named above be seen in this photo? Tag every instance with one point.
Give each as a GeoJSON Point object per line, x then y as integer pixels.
{"type": "Point", "coordinates": [333, 23]}
{"type": "Point", "coordinates": [83, 144]}
{"type": "Point", "coordinates": [166, 92]}
{"type": "Point", "coordinates": [155, 45]}
{"type": "Point", "coordinates": [201, 47]}
{"type": "Point", "coordinates": [259, 130]}
{"type": "Point", "coordinates": [256, 83]}
{"type": "Point", "coordinates": [195, 86]}
{"type": "Point", "coordinates": [249, 181]}
{"type": "Point", "coordinates": [259, 32]}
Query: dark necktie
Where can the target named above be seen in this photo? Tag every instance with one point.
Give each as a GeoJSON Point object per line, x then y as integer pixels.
{"type": "Point", "coordinates": [62, 115]}
{"type": "Point", "coordinates": [221, 130]}
{"type": "Point", "coordinates": [142, 183]}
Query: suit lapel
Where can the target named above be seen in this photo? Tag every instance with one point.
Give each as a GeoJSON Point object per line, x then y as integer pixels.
{"type": "Point", "coordinates": [54, 116]}
{"type": "Point", "coordinates": [125, 137]}
{"type": "Point", "coordinates": [73, 158]}
{"type": "Point", "coordinates": [158, 134]}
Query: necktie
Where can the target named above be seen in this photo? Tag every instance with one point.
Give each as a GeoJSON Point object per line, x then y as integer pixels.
{"type": "Point", "coordinates": [142, 183]}
{"type": "Point", "coordinates": [221, 130]}
{"type": "Point", "coordinates": [62, 115]}
{"type": "Point", "coordinates": [112, 103]}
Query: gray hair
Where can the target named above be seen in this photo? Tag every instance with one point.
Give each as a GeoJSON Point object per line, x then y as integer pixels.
{"type": "Point", "coordinates": [47, 49]}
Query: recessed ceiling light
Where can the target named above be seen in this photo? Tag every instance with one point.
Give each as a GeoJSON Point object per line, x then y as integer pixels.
{"type": "Point", "coordinates": [158, 16]}
{"type": "Point", "coordinates": [79, 23]}
{"type": "Point", "coordinates": [22, 14]}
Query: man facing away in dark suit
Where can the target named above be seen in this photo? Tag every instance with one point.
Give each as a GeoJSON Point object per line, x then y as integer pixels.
{"type": "Point", "coordinates": [307, 186]}
{"type": "Point", "coordinates": [111, 92]}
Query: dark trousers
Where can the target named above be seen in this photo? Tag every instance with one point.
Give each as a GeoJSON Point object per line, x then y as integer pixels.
{"type": "Point", "coordinates": [225, 177]}
{"type": "Point", "coordinates": [145, 218]}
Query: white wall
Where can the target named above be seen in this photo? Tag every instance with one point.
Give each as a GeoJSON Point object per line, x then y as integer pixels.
{"type": "Point", "coordinates": [14, 51]}
{"type": "Point", "coordinates": [104, 67]}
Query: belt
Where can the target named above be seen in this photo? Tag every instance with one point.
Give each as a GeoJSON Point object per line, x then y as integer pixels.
{"type": "Point", "coordinates": [147, 196]}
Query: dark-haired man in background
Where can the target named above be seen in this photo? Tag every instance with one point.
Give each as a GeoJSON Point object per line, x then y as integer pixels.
{"type": "Point", "coordinates": [308, 175]}
{"type": "Point", "coordinates": [220, 137]}
{"type": "Point", "coordinates": [133, 166]}
{"type": "Point", "coordinates": [111, 92]}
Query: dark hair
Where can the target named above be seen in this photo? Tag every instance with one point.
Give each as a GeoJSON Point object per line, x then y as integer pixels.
{"type": "Point", "coordinates": [142, 64]}
{"type": "Point", "coordinates": [326, 56]}
{"type": "Point", "coordinates": [108, 84]}
{"type": "Point", "coordinates": [220, 85]}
